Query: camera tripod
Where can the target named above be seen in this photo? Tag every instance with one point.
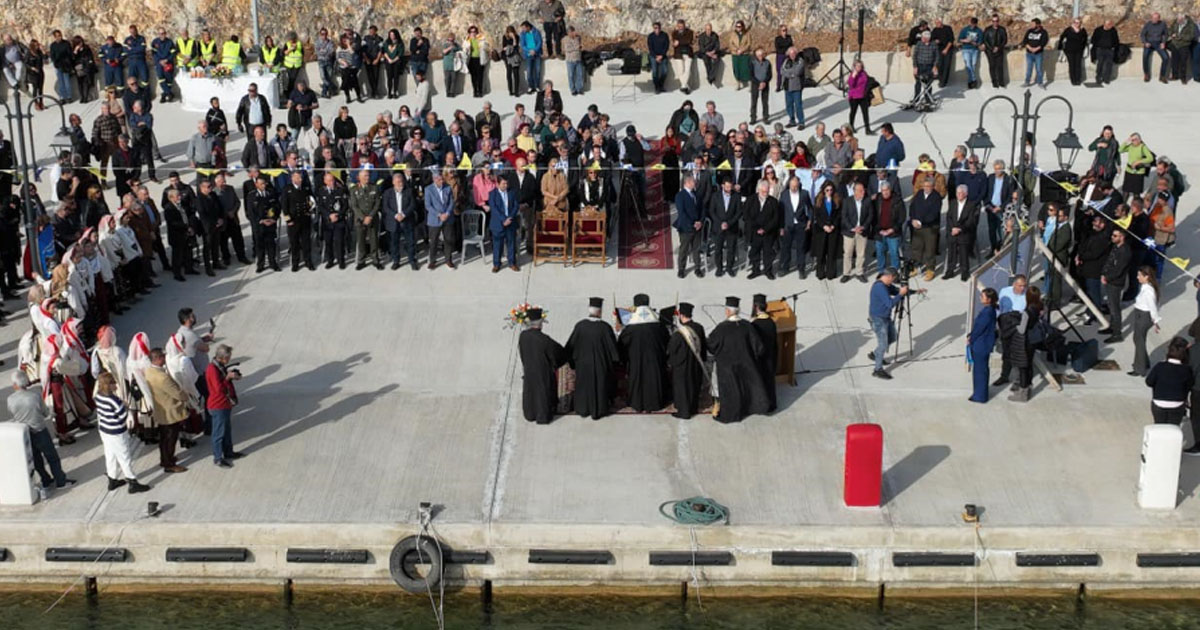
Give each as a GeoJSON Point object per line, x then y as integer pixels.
{"type": "Point", "coordinates": [902, 314]}
{"type": "Point", "coordinates": [840, 67]}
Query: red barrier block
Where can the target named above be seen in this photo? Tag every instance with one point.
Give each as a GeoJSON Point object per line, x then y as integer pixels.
{"type": "Point", "coordinates": [864, 465]}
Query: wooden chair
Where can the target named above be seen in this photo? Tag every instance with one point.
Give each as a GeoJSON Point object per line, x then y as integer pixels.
{"type": "Point", "coordinates": [588, 241]}
{"type": "Point", "coordinates": [550, 240]}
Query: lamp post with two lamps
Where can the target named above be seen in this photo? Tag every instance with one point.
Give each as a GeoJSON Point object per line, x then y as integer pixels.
{"type": "Point", "coordinates": [27, 161]}
{"type": "Point", "coordinates": [1066, 144]}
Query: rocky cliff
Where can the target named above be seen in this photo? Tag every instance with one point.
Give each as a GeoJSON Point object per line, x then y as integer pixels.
{"type": "Point", "coordinates": [598, 20]}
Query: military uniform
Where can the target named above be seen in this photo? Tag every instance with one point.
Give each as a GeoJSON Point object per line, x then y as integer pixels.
{"type": "Point", "coordinates": [262, 209]}
{"type": "Point", "coordinates": [366, 202]}
{"type": "Point", "coordinates": [333, 205]}
{"type": "Point", "coordinates": [297, 213]}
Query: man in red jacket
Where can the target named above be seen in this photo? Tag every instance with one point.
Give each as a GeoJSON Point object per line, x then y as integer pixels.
{"type": "Point", "coordinates": [219, 376]}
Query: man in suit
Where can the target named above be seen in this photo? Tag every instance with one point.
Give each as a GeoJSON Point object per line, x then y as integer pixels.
{"type": "Point", "coordinates": [996, 194]}
{"type": "Point", "coordinates": [257, 152]}
{"type": "Point", "coordinates": [505, 217]}
{"type": "Point", "coordinates": [725, 212]}
{"type": "Point", "coordinates": [689, 221]}
{"type": "Point", "coordinates": [400, 214]}
{"type": "Point", "coordinates": [962, 218]}
{"type": "Point", "coordinates": [797, 218]}
{"type": "Point", "coordinates": [171, 408]}
{"type": "Point", "coordinates": [745, 171]}
{"type": "Point", "coordinates": [177, 234]}
{"type": "Point", "coordinates": [856, 232]}
{"type": "Point", "coordinates": [762, 224]}
{"type": "Point", "coordinates": [212, 222]}
{"type": "Point", "coordinates": [439, 218]}
{"type": "Point", "coordinates": [529, 196]}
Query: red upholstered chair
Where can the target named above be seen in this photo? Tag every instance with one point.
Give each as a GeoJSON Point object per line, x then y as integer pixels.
{"type": "Point", "coordinates": [550, 241]}
{"type": "Point", "coordinates": [588, 243]}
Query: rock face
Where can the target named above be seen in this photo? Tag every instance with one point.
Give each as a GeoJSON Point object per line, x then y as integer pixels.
{"type": "Point", "coordinates": [598, 20]}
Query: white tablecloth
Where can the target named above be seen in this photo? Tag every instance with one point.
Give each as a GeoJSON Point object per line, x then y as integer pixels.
{"type": "Point", "coordinates": [197, 92]}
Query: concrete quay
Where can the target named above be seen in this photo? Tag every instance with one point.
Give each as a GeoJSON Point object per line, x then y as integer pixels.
{"type": "Point", "coordinates": [368, 392]}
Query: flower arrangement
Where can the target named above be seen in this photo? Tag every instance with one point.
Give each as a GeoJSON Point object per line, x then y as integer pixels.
{"type": "Point", "coordinates": [222, 72]}
{"type": "Point", "coordinates": [519, 315]}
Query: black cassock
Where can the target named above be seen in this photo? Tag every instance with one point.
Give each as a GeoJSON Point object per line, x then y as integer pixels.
{"type": "Point", "coordinates": [687, 371]}
{"type": "Point", "coordinates": [592, 351]}
{"type": "Point", "coordinates": [737, 349]}
{"type": "Point", "coordinates": [540, 356]}
{"type": "Point", "coordinates": [644, 352]}
{"type": "Point", "coordinates": [769, 363]}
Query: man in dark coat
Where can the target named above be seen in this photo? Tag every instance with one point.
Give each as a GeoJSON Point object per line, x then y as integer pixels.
{"type": "Point", "coordinates": [725, 212]}
{"type": "Point", "coordinates": [737, 348]}
{"type": "Point", "coordinates": [686, 355]}
{"type": "Point", "coordinates": [962, 219]}
{"type": "Point", "coordinates": [643, 348]}
{"type": "Point", "coordinates": [262, 212]}
{"type": "Point", "coordinates": [541, 357]}
{"type": "Point", "coordinates": [762, 228]}
{"type": "Point", "coordinates": [208, 224]}
{"type": "Point", "coordinates": [768, 364]}
{"type": "Point", "coordinates": [177, 234]}
{"type": "Point", "coordinates": [592, 352]}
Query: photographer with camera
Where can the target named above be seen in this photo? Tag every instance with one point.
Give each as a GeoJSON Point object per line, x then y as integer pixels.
{"type": "Point", "coordinates": [222, 396]}
{"type": "Point", "coordinates": [884, 298]}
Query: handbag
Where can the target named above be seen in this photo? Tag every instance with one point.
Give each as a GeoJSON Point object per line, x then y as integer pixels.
{"type": "Point", "coordinates": [877, 96]}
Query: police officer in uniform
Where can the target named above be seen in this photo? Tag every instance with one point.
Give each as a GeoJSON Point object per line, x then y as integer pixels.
{"type": "Point", "coordinates": [333, 204]}
{"type": "Point", "coordinates": [262, 209]}
{"type": "Point", "coordinates": [297, 214]}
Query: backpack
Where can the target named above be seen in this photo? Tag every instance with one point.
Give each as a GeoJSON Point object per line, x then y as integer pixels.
{"type": "Point", "coordinates": [1180, 184]}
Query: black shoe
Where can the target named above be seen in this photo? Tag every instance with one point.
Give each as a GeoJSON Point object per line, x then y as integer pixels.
{"type": "Point", "coordinates": [244, 261]}
{"type": "Point", "coordinates": [209, 272]}
{"type": "Point", "coordinates": [295, 269]}
{"type": "Point", "coordinates": [681, 273]}
{"type": "Point", "coordinates": [720, 272]}
{"type": "Point", "coordinates": [1000, 381]}
{"type": "Point", "coordinates": [947, 276]}
{"type": "Point", "coordinates": [135, 487]}
{"type": "Point", "coordinates": [329, 265]}
{"type": "Point", "coordinates": [754, 274]}
{"type": "Point", "coordinates": [1113, 339]}
{"type": "Point", "coordinates": [180, 278]}
{"type": "Point", "coordinates": [1193, 451]}
{"type": "Point", "coordinates": [732, 273]}
{"type": "Point", "coordinates": [803, 275]}
{"type": "Point", "coordinates": [862, 278]}
{"type": "Point", "coordinates": [881, 374]}
{"type": "Point", "coordinates": [395, 265]}
{"type": "Point", "coordinates": [845, 279]}
{"type": "Point", "coordinates": [224, 463]}
{"type": "Point", "coordinates": [1135, 373]}
{"type": "Point", "coordinates": [769, 274]}
{"type": "Point", "coordinates": [113, 484]}
{"type": "Point", "coordinates": [359, 266]}
{"type": "Point", "coordinates": [871, 356]}
{"type": "Point", "coordinates": [699, 272]}
{"type": "Point", "coordinates": [236, 455]}
{"type": "Point", "coordinates": [187, 443]}
{"type": "Point", "coordinates": [274, 267]}
{"type": "Point", "coordinates": [1105, 331]}
{"type": "Point", "coordinates": [260, 269]}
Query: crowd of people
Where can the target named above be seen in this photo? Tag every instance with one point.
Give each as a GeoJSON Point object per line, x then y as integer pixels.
{"type": "Point", "coordinates": [402, 187]}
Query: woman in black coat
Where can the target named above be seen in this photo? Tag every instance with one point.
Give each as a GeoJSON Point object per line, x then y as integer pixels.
{"type": "Point", "coordinates": [826, 237]}
{"type": "Point", "coordinates": [1018, 343]}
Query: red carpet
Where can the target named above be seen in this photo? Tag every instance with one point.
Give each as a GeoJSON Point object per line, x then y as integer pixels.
{"type": "Point", "coordinates": [647, 244]}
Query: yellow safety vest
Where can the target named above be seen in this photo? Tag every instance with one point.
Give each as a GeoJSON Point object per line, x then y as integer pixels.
{"type": "Point", "coordinates": [185, 47]}
{"type": "Point", "coordinates": [295, 58]}
{"type": "Point", "coordinates": [269, 55]}
{"type": "Point", "coordinates": [208, 51]}
{"type": "Point", "coordinates": [231, 54]}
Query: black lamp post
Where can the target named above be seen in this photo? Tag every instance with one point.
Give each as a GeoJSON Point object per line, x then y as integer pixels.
{"type": "Point", "coordinates": [27, 161]}
{"type": "Point", "coordinates": [1066, 144]}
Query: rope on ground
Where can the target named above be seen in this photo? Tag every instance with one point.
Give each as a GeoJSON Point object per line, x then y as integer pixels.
{"type": "Point", "coordinates": [695, 511]}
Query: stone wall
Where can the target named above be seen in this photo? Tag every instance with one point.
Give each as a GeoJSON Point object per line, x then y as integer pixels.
{"type": "Point", "coordinates": [599, 20]}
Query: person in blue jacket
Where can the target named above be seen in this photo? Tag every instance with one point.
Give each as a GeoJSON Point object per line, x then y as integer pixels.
{"type": "Point", "coordinates": [505, 211]}
{"type": "Point", "coordinates": [531, 50]}
{"type": "Point", "coordinates": [688, 222]}
{"type": "Point", "coordinates": [164, 51]}
{"type": "Point", "coordinates": [980, 342]}
{"type": "Point", "coordinates": [135, 56]}
{"type": "Point", "coordinates": [112, 56]}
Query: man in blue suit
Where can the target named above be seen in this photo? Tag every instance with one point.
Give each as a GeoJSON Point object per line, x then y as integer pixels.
{"type": "Point", "coordinates": [689, 221]}
{"type": "Point", "coordinates": [439, 218]}
{"type": "Point", "coordinates": [502, 203]}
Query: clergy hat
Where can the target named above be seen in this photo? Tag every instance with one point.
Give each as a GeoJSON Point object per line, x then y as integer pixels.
{"type": "Point", "coordinates": [685, 309]}
{"type": "Point", "coordinates": [666, 312]}
{"type": "Point", "coordinates": [631, 131]}
{"type": "Point", "coordinates": [534, 314]}
{"type": "Point", "coordinates": [596, 302]}
{"type": "Point", "coordinates": [733, 301]}
{"type": "Point", "coordinates": [641, 299]}
{"type": "Point", "coordinates": [760, 300]}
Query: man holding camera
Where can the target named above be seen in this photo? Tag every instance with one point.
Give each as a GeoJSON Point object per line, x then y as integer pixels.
{"type": "Point", "coordinates": [222, 396]}
{"type": "Point", "coordinates": [884, 297]}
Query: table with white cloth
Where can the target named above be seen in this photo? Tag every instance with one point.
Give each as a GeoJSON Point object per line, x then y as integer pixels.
{"type": "Point", "coordinates": [197, 92]}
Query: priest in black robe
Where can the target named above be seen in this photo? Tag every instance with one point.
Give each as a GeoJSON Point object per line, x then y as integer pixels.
{"type": "Point", "coordinates": [737, 348]}
{"type": "Point", "coordinates": [768, 365]}
{"type": "Point", "coordinates": [686, 355]}
{"type": "Point", "coordinates": [643, 347]}
{"type": "Point", "coordinates": [592, 352]}
{"type": "Point", "coordinates": [541, 357]}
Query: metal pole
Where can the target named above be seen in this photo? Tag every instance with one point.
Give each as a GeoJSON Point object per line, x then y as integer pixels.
{"type": "Point", "coordinates": [1075, 9]}
{"type": "Point", "coordinates": [254, 18]}
{"type": "Point", "coordinates": [1021, 171]}
{"type": "Point", "coordinates": [31, 238]}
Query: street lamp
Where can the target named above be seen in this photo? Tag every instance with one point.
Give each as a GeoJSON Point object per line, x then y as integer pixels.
{"type": "Point", "coordinates": [1066, 144]}
{"type": "Point", "coordinates": [26, 161]}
